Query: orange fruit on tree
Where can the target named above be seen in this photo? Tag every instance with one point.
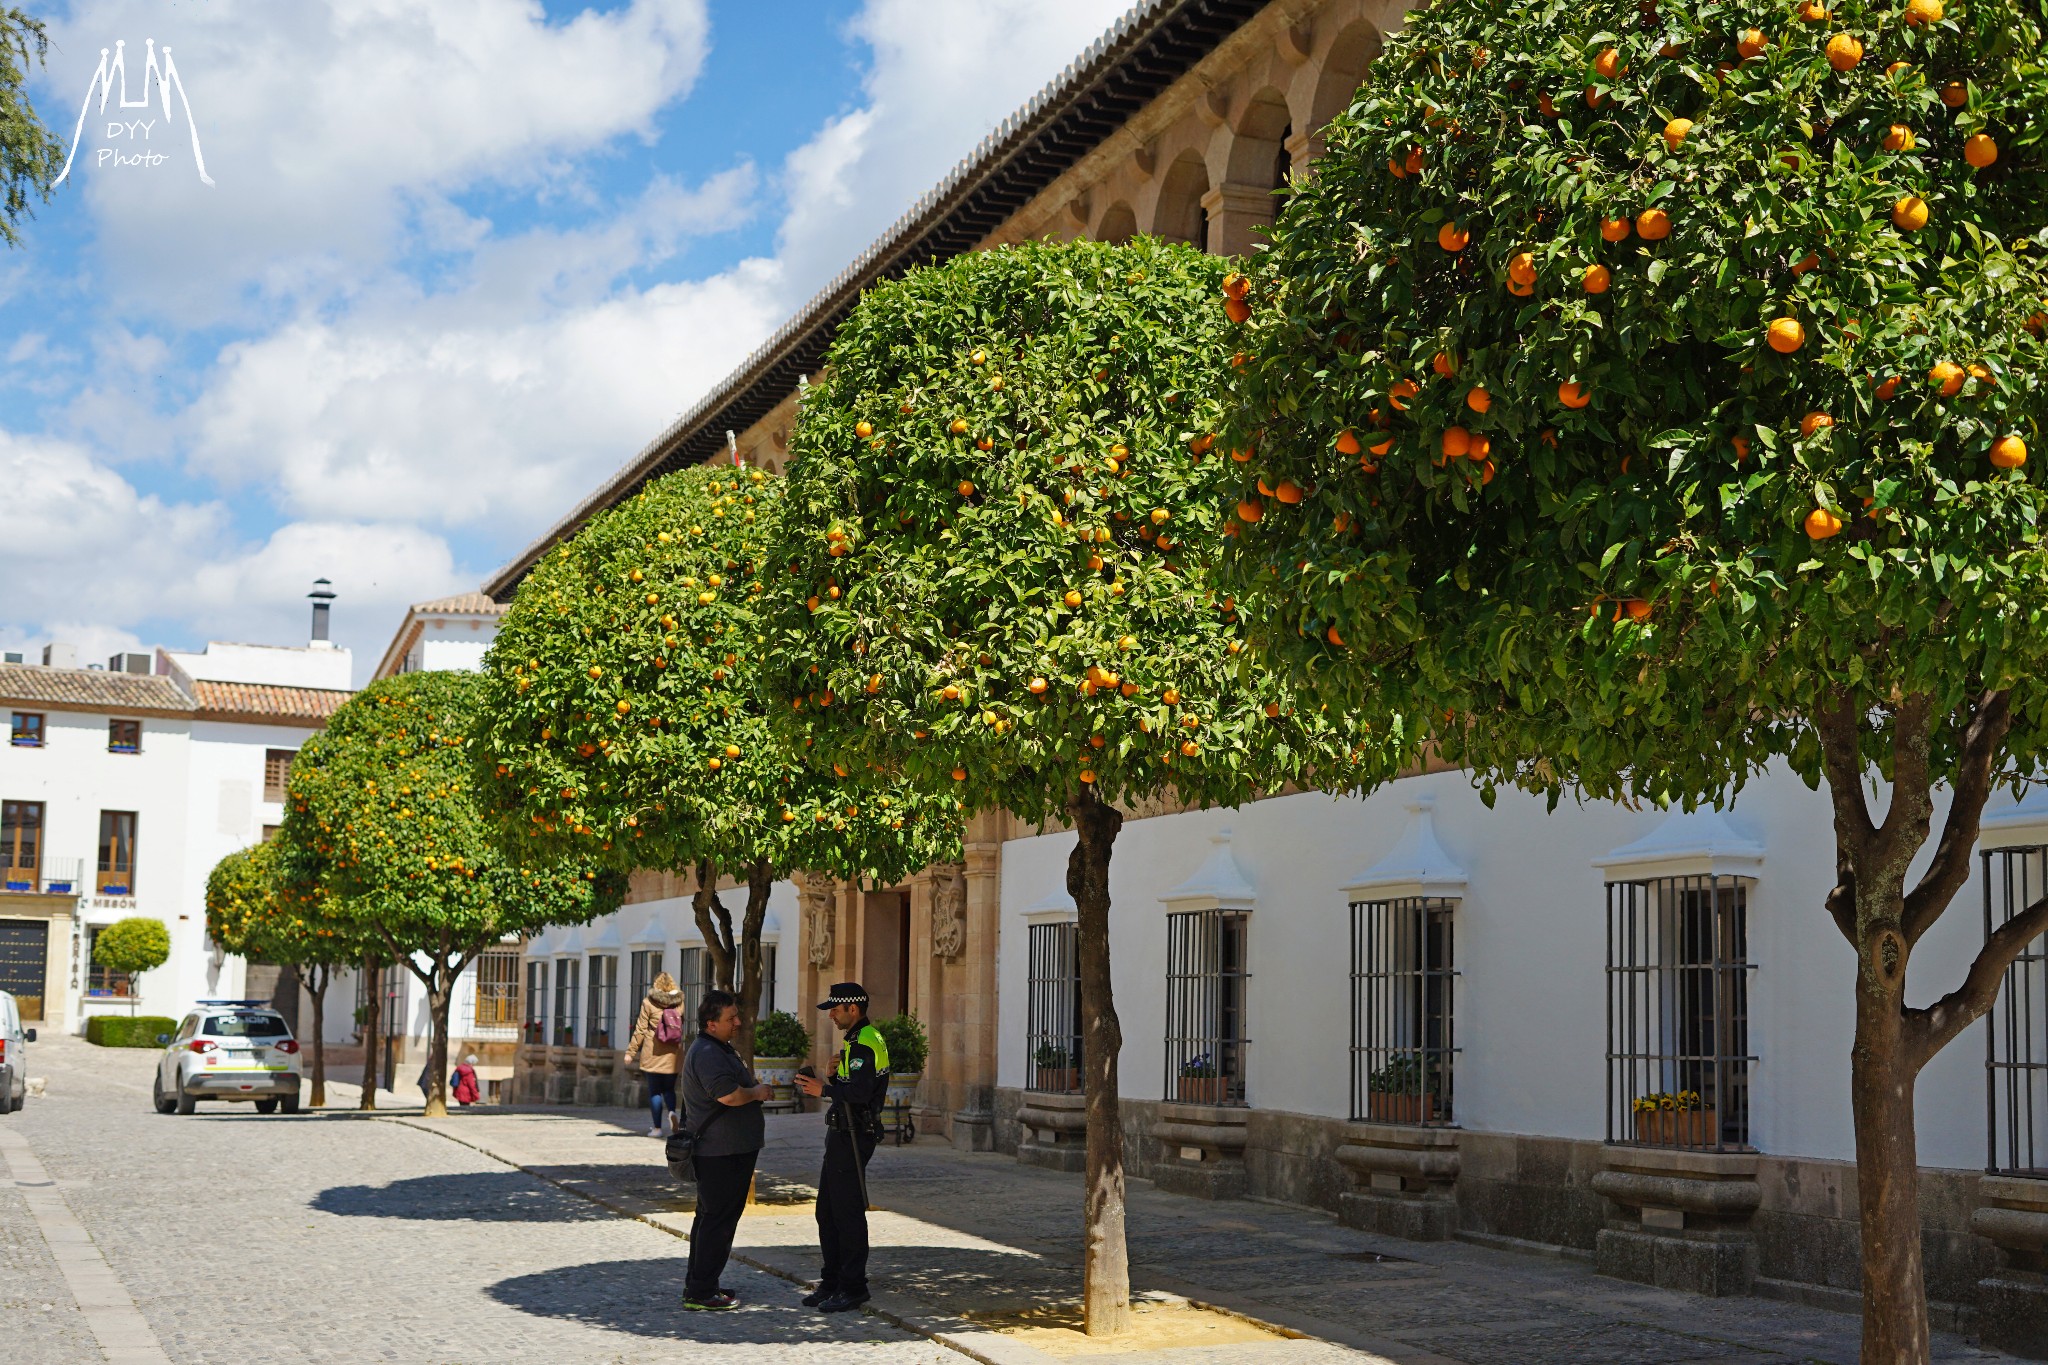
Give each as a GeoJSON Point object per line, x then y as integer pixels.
{"type": "Point", "coordinates": [1844, 51]}
{"type": "Point", "coordinates": [1521, 289]}
{"type": "Point", "coordinates": [1947, 376]}
{"type": "Point", "coordinates": [1288, 491]}
{"type": "Point", "coordinates": [1955, 94]}
{"type": "Point", "coordinates": [1920, 13]}
{"type": "Point", "coordinates": [1979, 150]}
{"type": "Point", "coordinates": [1909, 214]}
{"type": "Point", "coordinates": [1594, 99]}
{"type": "Point", "coordinates": [1637, 608]}
{"type": "Point", "coordinates": [1741, 444]}
{"type": "Point", "coordinates": [1478, 399]}
{"type": "Point", "coordinates": [1573, 394]}
{"type": "Point", "coordinates": [960, 775]}
{"type": "Point", "coordinates": [1479, 447]}
{"type": "Point", "coordinates": [1814, 421]}
{"type": "Point", "coordinates": [1805, 263]}
{"type": "Point", "coordinates": [1250, 509]}
{"type": "Point", "coordinates": [1608, 64]}
{"type": "Point", "coordinates": [1072, 599]}
{"type": "Point", "coordinates": [863, 429]}
{"type": "Point", "coordinates": [1813, 12]}
{"type": "Point", "coordinates": [1381, 448]}
{"type": "Point", "coordinates": [1887, 388]}
{"type": "Point", "coordinates": [1786, 335]}
{"type": "Point", "coordinates": [2008, 452]}
{"type": "Point", "coordinates": [1751, 43]}
{"type": "Point", "coordinates": [1347, 442]}
{"type": "Point", "coordinates": [1486, 473]}
{"type": "Point", "coordinates": [1415, 162]}
{"type": "Point", "coordinates": [1332, 636]}
{"type": "Point", "coordinates": [1395, 167]}
{"type": "Point", "coordinates": [1451, 237]}
{"type": "Point", "coordinates": [1982, 375]}
{"type": "Point", "coordinates": [1597, 279]}
{"type": "Point", "coordinates": [1444, 364]}
{"type": "Point", "coordinates": [1401, 392]}
{"type": "Point", "coordinates": [1615, 229]}
{"type": "Point", "coordinates": [1456, 442]}
{"type": "Point", "coordinates": [1522, 268]}
{"type": "Point", "coordinates": [1236, 286]}
{"type": "Point", "coordinates": [1899, 138]}
{"type": "Point", "coordinates": [1237, 310]}
{"type": "Point", "coordinates": [1674, 137]}
{"type": "Point", "coordinates": [1821, 523]}
{"type": "Point", "coordinates": [959, 426]}
{"type": "Point", "coordinates": [1653, 225]}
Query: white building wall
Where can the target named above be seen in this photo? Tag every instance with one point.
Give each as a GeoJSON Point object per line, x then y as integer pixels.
{"type": "Point", "coordinates": [325, 667]}
{"type": "Point", "coordinates": [1530, 949]}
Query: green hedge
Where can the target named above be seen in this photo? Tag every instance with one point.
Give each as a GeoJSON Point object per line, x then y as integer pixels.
{"type": "Point", "coordinates": [120, 1030]}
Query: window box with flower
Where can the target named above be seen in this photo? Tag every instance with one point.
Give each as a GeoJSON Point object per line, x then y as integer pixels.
{"type": "Point", "coordinates": [1675, 1119]}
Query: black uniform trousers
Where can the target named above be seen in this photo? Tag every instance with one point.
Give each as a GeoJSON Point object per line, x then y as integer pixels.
{"type": "Point", "coordinates": [722, 1183]}
{"type": "Point", "coordinates": [843, 1214]}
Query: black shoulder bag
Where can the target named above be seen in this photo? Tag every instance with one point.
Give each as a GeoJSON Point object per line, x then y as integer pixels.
{"type": "Point", "coordinates": [681, 1147]}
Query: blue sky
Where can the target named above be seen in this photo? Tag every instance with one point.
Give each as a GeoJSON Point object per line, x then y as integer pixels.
{"type": "Point", "coordinates": [460, 260]}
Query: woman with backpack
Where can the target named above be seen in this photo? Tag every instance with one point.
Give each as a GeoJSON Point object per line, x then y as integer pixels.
{"type": "Point", "coordinates": [657, 1049]}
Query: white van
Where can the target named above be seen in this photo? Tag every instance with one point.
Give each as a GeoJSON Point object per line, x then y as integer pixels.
{"type": "Point", "coordinates": [14, 1041]}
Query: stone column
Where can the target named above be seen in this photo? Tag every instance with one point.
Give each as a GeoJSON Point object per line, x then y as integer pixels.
{"type": "Point", "coordinates": [974, 984]}
{"type": "Point", "coordinates": [1235, 213]}
{"type": "Point", "coordinates": [1679, 1219]}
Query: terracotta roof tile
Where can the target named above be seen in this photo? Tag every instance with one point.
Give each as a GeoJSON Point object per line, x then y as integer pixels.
{"type": "Point", "coordinates": [265, 702]}
{"type": "Point", "coordinates": [471, 602]}
{"type": "Point", "coordinates": [90, 689]}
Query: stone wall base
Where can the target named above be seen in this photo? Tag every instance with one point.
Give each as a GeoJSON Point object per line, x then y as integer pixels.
{"type": "Point", "coordinates": [2012, 1313]}
{"type": "Point", "coordinates": [1697, 1266]}
{"type": "Point", "coordinates": [1203, 1180]}
{"type": "Point", "coordinates": [1395, 1215]}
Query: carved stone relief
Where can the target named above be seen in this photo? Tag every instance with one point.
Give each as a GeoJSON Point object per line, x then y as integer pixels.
{"type": "Point", "coordinates": [949, 910]}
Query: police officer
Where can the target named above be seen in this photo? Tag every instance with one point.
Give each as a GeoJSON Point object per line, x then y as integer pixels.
{"type": "Point", "coordinates": [856, 1087]}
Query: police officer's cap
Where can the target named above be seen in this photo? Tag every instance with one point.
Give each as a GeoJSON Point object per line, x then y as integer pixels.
{"type": "Point", "coordinates": [845, 993]}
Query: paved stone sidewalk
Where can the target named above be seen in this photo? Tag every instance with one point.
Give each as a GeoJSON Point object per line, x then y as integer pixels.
{"type": "Point", "coordinates": [965, 1235]}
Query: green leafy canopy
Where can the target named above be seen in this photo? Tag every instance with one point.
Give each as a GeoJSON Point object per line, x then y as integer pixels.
{"type": "Point", "coordinates": [623, 717]}
{"type": "Point", "coordinates": [1631, 594]}
{"type": "Point", "coordinates": [993, 577]}
{"type": "Point", "coordinates": [383, 809]}
{"type": "Point", "coordinates": [134, 945]}
{"type": "Point", "coordinates": [251, 910]}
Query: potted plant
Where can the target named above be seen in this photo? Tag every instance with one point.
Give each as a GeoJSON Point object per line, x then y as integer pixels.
{"type": "Point", "coordinates": [1201, 1082]}
{"type": "Point", "coordinates": [903, 1035]}
{"type": "Point", "coordinates": [1675, 1119]}
{"type": "Point", "coordinates": [1056, 1069]}
{"type": "Point", "coordinates": [781, 1043]}
{"type": "Point", "coordinates": [1405, 1090]}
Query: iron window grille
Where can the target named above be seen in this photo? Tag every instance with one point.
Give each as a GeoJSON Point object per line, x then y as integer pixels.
{"type": "Point", "coordinates": [1678, 1050]}
{"type": "Point", "coordinates": [102, 982]}
{"type": "Point", "coordinates": [497, 988]}
{"type": "Point", "coordinates": [602, 991]}
{"type": "Point", "coordinates": [1053, 1007]}
{"type": "Point", "coordinates": [1403, 1005]}
{"type": "Point", "coordinates": [1206, 980]}
{"type": "Point", "coordinates": [567, 975]}
{"type": "Point", "coordinates": [537, 1001]}
{"type": "Point", "coordinates": [644, 966]}
{"type": "Point", "coordinates": [765, 1006]}
{"type": "Point", "coordinates": [695, 979]}
{"type": "Point", "coordinates": [2016, 1050]}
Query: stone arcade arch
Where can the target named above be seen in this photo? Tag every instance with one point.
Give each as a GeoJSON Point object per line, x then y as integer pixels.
{"type": "Point", "coordinates": [1119, 224]}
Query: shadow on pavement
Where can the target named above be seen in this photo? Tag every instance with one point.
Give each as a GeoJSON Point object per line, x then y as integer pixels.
{"type": "Point", "coordinates": [472, 1197]}
{"type": "Point", "coordinates": [644, 1297]}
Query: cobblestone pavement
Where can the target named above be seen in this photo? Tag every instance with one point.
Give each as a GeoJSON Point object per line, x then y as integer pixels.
{"type": "Point", "coordinates": [967, 1235]}
{"type": "Point", "coordinates": [251, 1238]}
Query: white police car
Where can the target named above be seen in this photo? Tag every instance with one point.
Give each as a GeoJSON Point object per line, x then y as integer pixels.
{"type": "Point", "coordinates": [229, 1050]}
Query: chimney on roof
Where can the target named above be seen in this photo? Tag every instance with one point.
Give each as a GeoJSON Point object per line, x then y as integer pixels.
{"type": "Point", "coordinates": [322, 596]}
{"type": "Point", "coordinates": [60, 655]}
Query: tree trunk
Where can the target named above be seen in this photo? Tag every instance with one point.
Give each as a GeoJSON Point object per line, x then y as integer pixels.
{"type": "Point", "coordinates": [317, 981]}
{"type": "Point", "coordinates": [440, 994]}
{"type": "Point", "coordinates": [1895, 1326]}
{"type": "Point", "coordinates": [760, 880]}
{"type": "Point", "coordinates": [373, 1025]}
{"type": "Point", "coordinates": [1105, 1259]}
{"type": "Point", "coordinates": [714, 924]}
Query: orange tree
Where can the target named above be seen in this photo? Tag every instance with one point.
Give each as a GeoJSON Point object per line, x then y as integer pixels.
{"type": "Point", "coordinates": [993, 582]}
{"type": "Point", "coordinates": [1665, 378]}
{"type": "Point", "coordinates": [624, 723]}
{"type": "Point", "coordinates": [383, 812]}
{"type": "Point", "coordinates": [253, 912]}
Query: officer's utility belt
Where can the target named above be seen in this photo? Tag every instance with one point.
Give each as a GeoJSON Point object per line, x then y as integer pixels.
{"type": "Point", "coordinates": [844, 1118]}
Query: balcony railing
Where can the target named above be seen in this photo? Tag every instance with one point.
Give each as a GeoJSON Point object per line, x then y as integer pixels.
{"type": "Point", "coordinates": [56, 877]}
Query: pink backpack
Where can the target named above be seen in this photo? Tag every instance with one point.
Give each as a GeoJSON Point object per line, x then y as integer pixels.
{"type": "Point", "coordinates": [670, 1029]}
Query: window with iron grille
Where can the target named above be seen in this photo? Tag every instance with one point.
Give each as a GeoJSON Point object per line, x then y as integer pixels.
{"type": "Point", "coordinates": [2016, 1048]}
{"type": "Point", "coordinates": [643, 967]}
{"type": "Point", "coordinates": [537, 1001]}
{"type": "Point", "coordinates": [277, 771]}
{"type": "Point", "coordinates": [602, 990]}
{"type": "Point", "coordinates": [102, 982]}
{"type": "Point", "coordinates": [567, 976]}
{"type": "Point", "coordinates": [497, 988]}
{"type": "Point", "coordinates": [766, 1005]}
{"type": "Point", "coordinates": [1052, 1014]}
{"type": "Point", "coordinates": [124, 736]}
{"type": "Point", "coordinates": [694, 976]}
{"type": "Point", "coordinates": [1206, 977]}
{"type": "Point", "coordinates": [1678, 1058]}
{"type": "Point", "coordinates": [117, 853]}
{"type": "Point", "coordinates": [1403, 999]}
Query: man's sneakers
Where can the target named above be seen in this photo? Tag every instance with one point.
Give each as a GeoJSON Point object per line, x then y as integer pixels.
{"type": "Point", "coordinates": [819, 1295]}
{"type": "Point", "coordinates": [718, 1301]}
{"type": "Point", "coordinates": [844, 1301]}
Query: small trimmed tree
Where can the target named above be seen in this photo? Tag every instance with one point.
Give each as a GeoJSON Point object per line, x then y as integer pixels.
{"type": "Point", "coordinates": [1664, 375]}
{"type": "Point", "coordinates": [132, 946]}
{"type": "Point", "coordinates": [624, 723]}
{"type": "Point", "coordinates": [384, 812]}
{"type": "Point", "coordinates": [253, 912]}
{"type": "Point", "coordinates": [993, 583]}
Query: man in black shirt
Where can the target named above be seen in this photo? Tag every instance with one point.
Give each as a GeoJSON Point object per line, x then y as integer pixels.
{"type": "Point", "coordinates": [722, 1104]}
{"type": "Point", "coordinates": [857, 1086]}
